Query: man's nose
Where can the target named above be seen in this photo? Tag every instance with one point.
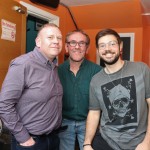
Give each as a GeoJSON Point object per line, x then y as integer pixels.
{"type": "Point", "coordinates": [55, 40]}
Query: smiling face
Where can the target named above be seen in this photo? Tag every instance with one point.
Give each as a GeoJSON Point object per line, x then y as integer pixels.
{"type": "Point", "coordinates": [109, 49]}
{"type": "Point", "coordinates": [76, 46]}
{"type": "Point", "coordinates": [49, 41]}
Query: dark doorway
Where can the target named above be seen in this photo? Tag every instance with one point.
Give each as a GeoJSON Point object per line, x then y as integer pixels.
{"type": "Point", "coordinates": [33, 25]}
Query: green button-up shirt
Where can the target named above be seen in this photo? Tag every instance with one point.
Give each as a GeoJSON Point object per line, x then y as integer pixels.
{"type": "Point", "coordinates": [76, 89]}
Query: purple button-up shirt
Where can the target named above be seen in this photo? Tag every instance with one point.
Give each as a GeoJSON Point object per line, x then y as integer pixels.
{"type": "Point", "coordinates": [31, 96]}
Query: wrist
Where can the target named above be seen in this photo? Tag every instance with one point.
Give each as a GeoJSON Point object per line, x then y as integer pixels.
{"type": "Point", "coordinates": [29, 142]}
{"type": "Point", "coordinates": [86, 145]}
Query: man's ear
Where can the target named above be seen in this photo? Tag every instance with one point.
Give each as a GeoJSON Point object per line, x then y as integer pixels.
{"type": "Point", "coordinates": [121, 46]}
{"type": "Point", "coordinates": [66, 47]}
{"type": "Point", "coordinates": [87, 50]}
{"type": "Point", "coordinates": [38, 42]}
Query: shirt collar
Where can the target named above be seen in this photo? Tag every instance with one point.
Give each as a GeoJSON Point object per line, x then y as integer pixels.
{"type": "Point", "coordinates": [82, 64]}
{"type": "Point", "coordinates": [43, 58]}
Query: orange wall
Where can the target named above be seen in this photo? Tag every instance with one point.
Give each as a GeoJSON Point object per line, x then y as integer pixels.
{"type": "Point", "coordinates": [125, 14]}
{"type": "Point", "coordinates": [66, 24]}
{"type": "Point", "coordinates": [146, 45]}
{"type": "Point", "coordinates": [65, 21]}
{"type": "Point", "coordinates": [146, 40]}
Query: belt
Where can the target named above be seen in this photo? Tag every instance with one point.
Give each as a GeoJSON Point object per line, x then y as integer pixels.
{"type": "Point", "coordinates": [60, 129]}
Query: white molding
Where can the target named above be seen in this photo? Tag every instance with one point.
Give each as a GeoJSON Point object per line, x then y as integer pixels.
{"type": "Point", "coordinates": [39, 13]}
{"type": "Point", "coordinates": [131, 35]}
{"type": "Point", "coordinates": [97, 57]}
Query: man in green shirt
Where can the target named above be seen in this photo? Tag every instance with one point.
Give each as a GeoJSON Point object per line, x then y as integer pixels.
{"type": "Point", "coordinates": [75, 75]}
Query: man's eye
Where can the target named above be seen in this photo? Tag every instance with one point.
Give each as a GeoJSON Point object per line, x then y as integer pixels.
{"type": "Point", "coordinates": [50, 37]}
{"type": "Point", "coordinates": [113, 44]}
{"type": "Point", "coordinates": [102, 45]}
{"type": "Point", "coordinates": [72, 42]}
{"type": "Point", "coordinates": [81, 43]}
{"type": "Point", "coordinates": [59, 38]}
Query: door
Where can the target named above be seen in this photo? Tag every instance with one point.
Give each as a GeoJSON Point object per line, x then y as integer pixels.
{"type": "Point", "coordinates": [12, 33]}
{"type": "Point", "coordinates": [33, 25]}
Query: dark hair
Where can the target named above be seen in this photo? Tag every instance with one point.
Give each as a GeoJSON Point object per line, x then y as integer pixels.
{"type": "Point", "coordinates": [78, 31]}
{"type": "Point", "coordinates": [107, 32]}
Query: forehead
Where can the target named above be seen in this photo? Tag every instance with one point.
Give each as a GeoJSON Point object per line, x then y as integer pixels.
{"type": "Point", "coordinates": [50, 31]}
{"type": "Point", "coordinates": [107, 38]}
{"type": "Point", "coordinates": [77, 36]}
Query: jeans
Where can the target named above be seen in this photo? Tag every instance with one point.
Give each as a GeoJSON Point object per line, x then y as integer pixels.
{"type": "Point", "coordinates": [76, 129]}
{"type": "Point", "coordinates": [44, 142]}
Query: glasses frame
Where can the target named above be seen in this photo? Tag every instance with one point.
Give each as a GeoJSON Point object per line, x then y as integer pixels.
{"type": "Point", "coordinates": [75, 43]}
{"type": "Point", "coordinates": [111, 44]}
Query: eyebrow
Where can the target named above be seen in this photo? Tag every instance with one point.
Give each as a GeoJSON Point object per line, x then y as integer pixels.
{"type": "Point", "coordinates": [108, 42]}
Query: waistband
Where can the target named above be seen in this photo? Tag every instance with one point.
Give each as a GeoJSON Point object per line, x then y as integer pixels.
{"type": "Point", "coordinates": [60, 129]}
{"type": "Point", "coordinates": [43, 135]}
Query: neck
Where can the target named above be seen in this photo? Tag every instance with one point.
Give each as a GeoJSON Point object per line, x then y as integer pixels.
{"type": "Point", "coordinates": [115, 67]}
{"type": "Point", "coordinates": [74, 66]}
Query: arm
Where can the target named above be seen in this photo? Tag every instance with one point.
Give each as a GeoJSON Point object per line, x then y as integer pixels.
{"type": "Point", "coordinates": [11, 92]}
{"type": "Point", "coordinates": [91, 127]}
{"type": "Point", "coordinates": [145, 145]}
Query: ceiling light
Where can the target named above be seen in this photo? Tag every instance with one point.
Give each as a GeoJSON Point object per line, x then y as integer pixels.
{"type": "Point", "coordinates": [146, 14]}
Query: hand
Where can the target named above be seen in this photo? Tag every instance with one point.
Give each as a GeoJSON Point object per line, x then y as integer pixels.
{"type": "Point", "coordinates": [29, 142]}
{"type": "Point", "coordinates": [88, 147]}
{"type": "Point", "coordinates": [143, 146]}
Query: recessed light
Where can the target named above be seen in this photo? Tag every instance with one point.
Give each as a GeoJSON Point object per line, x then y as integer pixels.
{"type": "Point", "coordinates": [146, 14]}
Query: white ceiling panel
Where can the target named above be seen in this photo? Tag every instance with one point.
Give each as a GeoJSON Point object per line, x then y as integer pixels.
{"type": "Point", "coordinates": [87, 2]}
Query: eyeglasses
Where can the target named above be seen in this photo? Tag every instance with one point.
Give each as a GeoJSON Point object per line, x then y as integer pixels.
{"type": "Point", "coordinates": [111, 44]}
{"type": "Point", "coordinates": [74, 43]}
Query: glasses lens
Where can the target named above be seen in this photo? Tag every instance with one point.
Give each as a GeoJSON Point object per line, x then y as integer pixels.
{"type": "Point", "coordinates": [111, 44]}
{"type": "Point", "coordinates": [102, 46]}
{"type": "Point", "coordinates": [82, 44]}
{"type": "Point", "coordinates": [74, 43]}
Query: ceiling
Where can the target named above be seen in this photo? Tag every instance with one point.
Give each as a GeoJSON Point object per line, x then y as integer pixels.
{"type": "Point", "coordinates": [85, 10]}
{"type": "Point", "coordinates": [73, 3]}
{"type": "Point", "coordinates": [86, 2]}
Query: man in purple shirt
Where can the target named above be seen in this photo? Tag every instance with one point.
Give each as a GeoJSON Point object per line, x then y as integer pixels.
{"type": "Point", "coordinates": [31, 94]}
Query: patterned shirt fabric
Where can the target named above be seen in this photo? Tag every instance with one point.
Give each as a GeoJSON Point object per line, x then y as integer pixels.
{"type": "Point", "coordinates": [31, 96]}
{"type": "Point", "coordinates": [76, 89]}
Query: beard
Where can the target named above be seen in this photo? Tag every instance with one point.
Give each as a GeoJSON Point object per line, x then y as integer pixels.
{"type": "Point", "coordinates": [112, 61]}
